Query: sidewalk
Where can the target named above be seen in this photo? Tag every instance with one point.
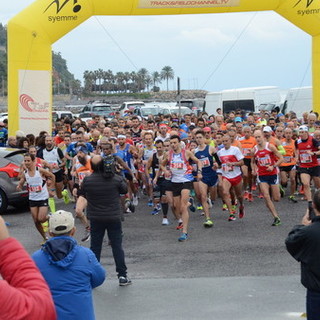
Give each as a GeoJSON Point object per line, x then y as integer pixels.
{"type": "Point", "coordinates": [238, 298]}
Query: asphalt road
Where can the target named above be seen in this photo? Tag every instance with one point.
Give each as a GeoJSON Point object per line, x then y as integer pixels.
{"type": "Point", "coordinates": [235, 270]}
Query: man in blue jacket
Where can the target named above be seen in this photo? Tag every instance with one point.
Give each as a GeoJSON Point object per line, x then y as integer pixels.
{"type": "Point", "coordinates": [70, 270]}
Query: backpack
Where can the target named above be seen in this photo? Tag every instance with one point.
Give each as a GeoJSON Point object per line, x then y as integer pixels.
{"type": "Point", "coordinates": [109, 163]}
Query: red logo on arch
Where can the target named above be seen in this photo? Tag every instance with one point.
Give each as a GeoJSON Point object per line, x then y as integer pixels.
{"type": "Point", "coordinates": [25, 101]}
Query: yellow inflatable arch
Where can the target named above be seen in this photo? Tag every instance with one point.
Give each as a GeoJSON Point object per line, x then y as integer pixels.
{"type": "Point", "coordinates": [32, 32]}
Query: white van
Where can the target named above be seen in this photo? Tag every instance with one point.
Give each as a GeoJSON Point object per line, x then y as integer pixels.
{"type": "Point", "coordinates": [247, 99]}
{"type": "Point", "coordinates": [298, 100]}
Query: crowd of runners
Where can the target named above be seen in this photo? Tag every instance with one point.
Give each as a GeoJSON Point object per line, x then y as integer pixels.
{"type": "Point", "coordinates": [180, 164]}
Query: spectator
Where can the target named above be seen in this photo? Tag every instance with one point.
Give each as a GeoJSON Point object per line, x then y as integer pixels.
{"type": "Point", "coordinates": [23, 292]}
{"type": "Point", "coordinates": [303, 243]}
{"type": "Point", "coordinates": [72, 271]}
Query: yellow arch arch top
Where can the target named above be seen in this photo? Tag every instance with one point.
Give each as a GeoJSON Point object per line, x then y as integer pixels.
{"type": "Point", "coordinates": [32, 32]}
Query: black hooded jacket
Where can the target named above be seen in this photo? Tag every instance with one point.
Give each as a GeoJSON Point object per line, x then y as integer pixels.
{"type": "Point", "coordinates": [303, 243]}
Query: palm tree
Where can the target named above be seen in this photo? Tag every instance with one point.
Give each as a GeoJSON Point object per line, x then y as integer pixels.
{"type": "Point", "coordinates": [148, 82]}
{"type": "Point", "coordinates": [166, 74]}
{"type": "Point", "coordinates": [99, 74]}
{"type": "Point", "coordinates": [87, 75]}
{"type": "Point", "coordinates": [156, 78]}
{"type": "Point", "coordinates": [142, 75]}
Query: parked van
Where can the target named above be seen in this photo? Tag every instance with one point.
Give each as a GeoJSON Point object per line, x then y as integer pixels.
{"type": "Point", "coordinates": [57, 115]}
{"type": "Point", "coordinates": [247, 99]}
{"type": "Point", "coordinates": [298, 100]}
{"type": "Point", "coordinates": [195, 105]}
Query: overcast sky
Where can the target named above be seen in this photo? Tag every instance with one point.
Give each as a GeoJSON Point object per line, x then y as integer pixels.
{"type": "Point", "coordinates": [211, 52]}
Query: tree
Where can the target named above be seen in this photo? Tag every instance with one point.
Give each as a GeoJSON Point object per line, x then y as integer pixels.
{"type": "Point", "coordinates": [166, 74]}
{"type": "Point", "coordinates": [156, 78]}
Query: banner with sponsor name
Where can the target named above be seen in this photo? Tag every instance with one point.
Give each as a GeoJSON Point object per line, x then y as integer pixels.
{"type": "Point", "coordinates": [157, 4]}
{"type": "Point", "coordinates": [34, 101]}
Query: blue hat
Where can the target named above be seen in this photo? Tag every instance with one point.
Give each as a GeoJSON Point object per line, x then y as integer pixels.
{"type": "Point", "coordinates": [183, 135]}
{"type": "Point", "coordinates": [238, 119]}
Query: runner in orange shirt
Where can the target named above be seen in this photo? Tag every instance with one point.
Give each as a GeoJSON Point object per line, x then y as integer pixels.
{"type": "Point", "coordinates": [288, 166]}
{"type": "Point", "coordinates": [247, 143]}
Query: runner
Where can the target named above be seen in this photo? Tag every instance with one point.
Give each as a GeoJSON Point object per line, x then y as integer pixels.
{"type": "Point", "coordinates": [306, 156]}
{"type": "Point", "coordinates": [247, 143]}
{"type": "Point", "coordinates": [181, 178]}
{"type": "Point", "coordinates": [264, 163]}
{"type": "Point", "coordinates": [38, 192]}
{"type": "Point", "coordinates": [288, 166]}
{"type": "Point", "coordinates": [231, 160]}
{"type": "Point", "coordinates": [209, 180]}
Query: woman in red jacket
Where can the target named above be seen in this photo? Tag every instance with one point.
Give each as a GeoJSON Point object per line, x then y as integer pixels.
{"type": "Point", "coordinates": [24, 294]}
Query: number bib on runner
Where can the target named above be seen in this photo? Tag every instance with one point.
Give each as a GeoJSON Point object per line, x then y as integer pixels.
{"type": "Point", "coordinates": [305, 158]}
{"type": "Point", "coordinates": [227, 168]}
{"type": "Point", "coordinates": [35, 188]}
{"type": "Point", "coordinates": [205, 162]}
{"type": "Point", "coordinates": [265, 161]}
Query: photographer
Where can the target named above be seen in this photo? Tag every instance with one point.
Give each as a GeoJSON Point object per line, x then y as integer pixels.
{"type": "Point", "coordinates": [303, 243]}
{"type": "Point", "coordinates": [100, 193]}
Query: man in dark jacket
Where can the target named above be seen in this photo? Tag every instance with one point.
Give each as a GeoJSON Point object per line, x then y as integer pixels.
{"type": "Point", "coordinates": [100, 192]}
{"type": "Point", "coordinates": [303, 243]}
{"type": "Point", "coordinates": [71, 271]}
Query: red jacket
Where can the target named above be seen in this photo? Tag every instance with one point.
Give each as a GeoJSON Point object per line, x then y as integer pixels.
{"type": "Point", "coordinates": [24, 294]}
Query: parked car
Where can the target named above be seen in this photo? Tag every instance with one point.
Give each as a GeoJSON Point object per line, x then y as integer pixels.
{"type": "Point", "coordinates": [57, 115]}
{"type": "Point", "coordinates": [97, 108]}
{"type": "Point", "coordinates": [10, 161]}
{"type": "Point", "coordinates": [130, 105]}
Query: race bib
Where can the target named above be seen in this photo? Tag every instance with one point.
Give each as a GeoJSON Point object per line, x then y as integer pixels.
{"type": "Point", "coordinates": [227, 168]}
{"type": "Point", "coordinates": [82, 175]}
{"type": "Point", "coordinates": [264, 161]}
{"type": "Point", "coordinates": [205, 162]}
{"type": "Point", "coordinates": [177, 165]}
{"type": "Point", "coordinates": [287, 159]}
{"type": "Point", "coordinates": [305, 158]}
{"type": "Point", "coordinates": [35, 188]}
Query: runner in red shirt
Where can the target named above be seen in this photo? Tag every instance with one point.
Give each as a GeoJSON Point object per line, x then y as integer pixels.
{"type": "Point", "coordinates": [265, 162]}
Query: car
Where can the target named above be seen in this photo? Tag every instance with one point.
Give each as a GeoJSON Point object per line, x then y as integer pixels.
{"type": "Point", "coordinates": [10, 161]}
{"type": "Point", "coordinates": [97, 108]}
{"type": "Point", "coordinates": [57, 115]}
{"type": "Point", "coordinates": [130, 105]}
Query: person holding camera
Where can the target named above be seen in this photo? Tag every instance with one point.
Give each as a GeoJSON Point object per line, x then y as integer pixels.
{"type": "Point", "coordinates": [303, 243]}
{"type": "Point", "coordinates": [100, 193]}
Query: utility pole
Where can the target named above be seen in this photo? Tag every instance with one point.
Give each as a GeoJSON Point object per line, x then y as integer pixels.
{"type": "Point", "coordinates": [179, 96]}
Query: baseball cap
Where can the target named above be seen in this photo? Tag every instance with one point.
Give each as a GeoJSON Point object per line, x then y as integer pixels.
{"type": "Point", "coordinates": [303, 128]}
{"type": "Point", "coordinates": [61, 222]}
{"type": "Point", "coordinates": [267, 129]}
{"type": "Point", "coordinates": [238, 119]}
{"type": "Point", "coordinates": [207, 129]}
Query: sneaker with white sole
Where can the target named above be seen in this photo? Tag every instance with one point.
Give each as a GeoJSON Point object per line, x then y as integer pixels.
{"type": "Point", "coordinates": [135, 200]}
{"type": "Point", "coordinates": [165, 222]}
{"type": "Point", "coordinates": [124, 281]}
{"type": "Point", "coordinates": [87, 235]}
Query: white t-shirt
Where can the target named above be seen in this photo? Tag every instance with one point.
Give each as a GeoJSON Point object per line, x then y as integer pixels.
{"type": "Point", "coordinates": [233, 154]}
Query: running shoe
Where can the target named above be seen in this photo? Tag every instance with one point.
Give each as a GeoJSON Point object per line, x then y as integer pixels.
{"type": "Point", "coordinates": [208, 223]}
{"type": "Point", "coordinates": [301, 189]}
{"type": "Point", "coordinates": [65, 195]}
{"type": "Point", "coordinates": [232, 217]}
{"type": "Point", "coordinates": [260, 196]}
{"type": "Point", "coordinates": [183, 237]}
{"type": "Point", "coordinates": [293, 199]}
{"type": "Point", "coordinates": [224, 207]}
{"type": "Point", "coordinates": [155, 211]}
{"type": "Point", "coordinates": [246, 195]}
{"type": "Point", "coordinates": [276, 222]}
{"type": "Point", "coordinates": [150, 203]}
{"type": "Point", "coordinates": [254, 187]}
{"type": "Point", "coordinates": [192, 207]}
{"type": "Point", "coordinates": [135, 200]}
{"type": "Point", "coordinates": [209, 203]}
{"type": "Point", "coordinates": [282, 192]}
{"type": "Point", "coordinates": [124, 281]}
{"type": "Point", "coordinates": [199, 207]}
{"type": "Point", "coordinates": [45, 226]}
{"type": "Point", "coordinates": [179, 226]}
{"type": "Point", "coordinates": [86, 236]}
{"type": "Point", "coordinates": [165, 222]}
{"type": "Point", "coordinates": [250, 197]}
{"type": "Point", "coordinates": [241, 212]}
{"type": "Point", "coordinates": [131, 207]}
{"type": "Point", "coordinates": [234, 207]}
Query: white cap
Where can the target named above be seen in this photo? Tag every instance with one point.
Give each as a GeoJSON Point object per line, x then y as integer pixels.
{"type": "Point", "coordinates": [61, 222]}
{"type": "Point", "coordinates": [303, 128]}
{"type": "Point", "coordinates": [267, 129]}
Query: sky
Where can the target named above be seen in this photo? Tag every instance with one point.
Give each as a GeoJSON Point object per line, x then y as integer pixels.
{"type": "Point", "coordinates": [211, 52]}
